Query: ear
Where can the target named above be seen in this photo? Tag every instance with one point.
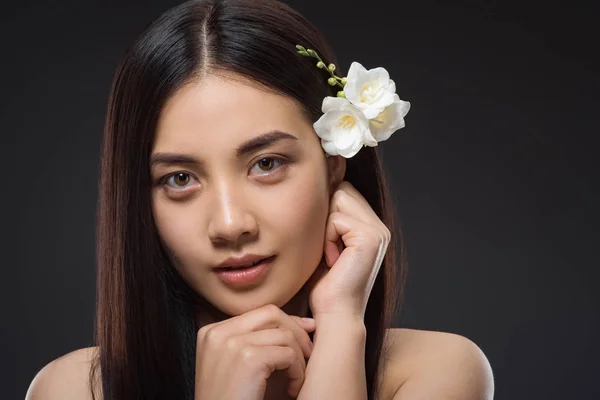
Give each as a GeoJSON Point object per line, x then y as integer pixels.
{"type": "Point", "coordinates": [336, 167]}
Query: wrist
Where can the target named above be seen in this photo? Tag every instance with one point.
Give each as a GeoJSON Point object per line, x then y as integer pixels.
{"type": "Point", "coordinates": [338, 321]}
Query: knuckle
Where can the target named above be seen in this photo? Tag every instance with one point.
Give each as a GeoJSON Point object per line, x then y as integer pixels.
{"type": "Point", "coordinates": [345, 184]}
{"type": "Point", "coordinates": [233, 345]}
{"type": "Point", "coordinates": [272, 311]}
{"type": "Point", "coordinates": [335, 215]}
{"type": "Point", "coordinates": [289, 354]}
{"type": "Point", "coordinates": [201, 334]}
{"type": "Point", "coordinates": [247, 354]}
{"type": "Point", "coordinates": [212, 336]}
{"type": "Point", "coordinates": [287, 334]}
{"type": "Point", "coordinates": [338, 196]}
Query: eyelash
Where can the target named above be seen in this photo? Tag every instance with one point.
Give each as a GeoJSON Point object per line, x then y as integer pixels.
{"type": "Point", "coordinates": [282, 163]}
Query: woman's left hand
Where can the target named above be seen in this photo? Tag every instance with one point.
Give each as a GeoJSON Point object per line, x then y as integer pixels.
{"type": "Point", "coordinates": [355, 244]}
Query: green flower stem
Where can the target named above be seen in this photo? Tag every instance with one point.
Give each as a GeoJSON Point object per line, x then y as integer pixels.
{"type": "Point", "coordinates": [311, 53]}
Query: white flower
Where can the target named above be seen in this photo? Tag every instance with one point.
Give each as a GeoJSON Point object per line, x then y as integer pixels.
{"type": "Point", "coordinates": [389, 120]}
{"type": "Point", "coordinates": [343, 128]}
{"type": "Point", "coordinates": [371, 91]}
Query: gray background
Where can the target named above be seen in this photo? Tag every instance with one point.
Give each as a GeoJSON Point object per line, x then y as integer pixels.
{"type": "Point", "coordinates": [494, 174]}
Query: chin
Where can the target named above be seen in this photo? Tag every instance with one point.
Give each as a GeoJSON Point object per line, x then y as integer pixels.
{"type": "Point", "coordinates": [241, 303]}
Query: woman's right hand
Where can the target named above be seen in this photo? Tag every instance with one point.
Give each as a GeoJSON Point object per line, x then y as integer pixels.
{"type": "Point", "coordinates": [235, 357]}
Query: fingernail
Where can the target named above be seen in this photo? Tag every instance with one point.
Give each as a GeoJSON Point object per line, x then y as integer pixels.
{"type": "Point", "coordinates": [308, 320]}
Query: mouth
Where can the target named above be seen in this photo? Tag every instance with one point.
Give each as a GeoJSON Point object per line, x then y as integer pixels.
{"type": "Point", "coordinates": [244, 276]}
{"type": "Point", "coordinates": [244, 266]}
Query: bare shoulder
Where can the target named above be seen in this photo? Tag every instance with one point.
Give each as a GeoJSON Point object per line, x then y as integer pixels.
{"type": "Point", "coordinates": [430, 364]}
{"type": "Point", "coordinates": [66, 377]}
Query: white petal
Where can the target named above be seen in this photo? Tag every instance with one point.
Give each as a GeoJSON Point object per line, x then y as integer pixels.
{"type": "Point", "coordinates": [339, 137]}
{"type": "Point", "coordinates": [356, 71]}
{"type": "Point", "coordinates": [369, 89]}
{"type": "Point", "coordinates": [384, 99]}
{"type": "Point", "coordinates": [329, 147]}
{"type": "Point", "coordinates": [392, 86]}
{"type": "Point", "coordinates": [372, 111]}
{"type": "Point", "coordinates": [326, 123]}
{"type": "Point", "coordinates": [379, 74]}
{"type": "Point", "coordinates": [390, 120]}
{"type": "Point", "coordinates": [354, 82]}
{"type": "Point", "coordinates": [333, 103]}
{"type": "Point", "coordinates": [369, 139]}
{"type": "Point", "coordinates": [345, 138]}
{"type": "Point", "coordinates": [404, 106]}
{"type": "Point", "coordinates": [350, 152]}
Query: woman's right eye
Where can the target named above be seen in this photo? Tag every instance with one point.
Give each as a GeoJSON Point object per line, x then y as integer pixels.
{"type": "Point", "coordinates": [179, 180]}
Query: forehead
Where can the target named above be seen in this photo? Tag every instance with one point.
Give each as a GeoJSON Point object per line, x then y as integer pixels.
{"type": "Point", "coordinates": [221, 110]}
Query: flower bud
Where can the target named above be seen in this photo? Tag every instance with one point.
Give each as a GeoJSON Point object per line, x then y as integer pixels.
{"type": "Point", "coordinates": [331, 67]}
{"type": "Point", "coordinates": [321, 65]}
{"type": "Point", "coordinates": [341, 94]}
{"type": "Point", "coordinates": [332, 81]}
{"type": "Point", "coordinates": [344, 80]}
{"type": "Point", "coordinates": [311, 52]}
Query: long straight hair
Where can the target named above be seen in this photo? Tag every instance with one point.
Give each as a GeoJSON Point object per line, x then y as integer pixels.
{"type": "Point", "coordinates": [145, 324]}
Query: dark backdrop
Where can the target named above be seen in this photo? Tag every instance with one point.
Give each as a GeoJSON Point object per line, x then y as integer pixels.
{"type": "Point", "coordinates": [493, 175]}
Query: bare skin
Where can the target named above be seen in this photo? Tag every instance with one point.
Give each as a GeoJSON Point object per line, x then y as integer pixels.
{"type": "Point", "coordinates": [417, 360]}
{"type": "Point", "coordinates": [230, 203]}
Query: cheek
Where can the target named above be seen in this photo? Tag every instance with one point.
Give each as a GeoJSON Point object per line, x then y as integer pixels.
{"type": "Point", "coordinates": [175, 228]}
{"type": "Point", "coordinates": [300, 215]}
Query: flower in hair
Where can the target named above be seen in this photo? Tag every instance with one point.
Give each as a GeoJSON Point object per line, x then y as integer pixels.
{"type": "Point", "coordinates": [366, 111]}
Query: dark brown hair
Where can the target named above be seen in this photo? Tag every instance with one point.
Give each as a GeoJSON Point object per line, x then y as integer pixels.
{"type": "Point", "coordinates": [145, 326]}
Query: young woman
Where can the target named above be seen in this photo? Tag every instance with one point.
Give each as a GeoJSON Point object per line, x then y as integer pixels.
{"type": "Point", "coordinates": [220, 152]}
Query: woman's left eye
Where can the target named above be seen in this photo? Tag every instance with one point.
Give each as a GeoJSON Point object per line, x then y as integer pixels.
{"type": "Point", "coordinates": [267, 165]}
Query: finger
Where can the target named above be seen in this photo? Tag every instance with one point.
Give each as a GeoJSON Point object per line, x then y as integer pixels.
{"type": "Point", "coordinates": [354, 233]}
{"type": "Point", "coordinates": [361, 209]}
{"type": "Point", "coordinates": [265, 317]}
{"type": "Point", "coordinates": [272, 337]}
{"type": "Point", "coordinates": [352, 191]}
{"type": "Point", "coordinates": [308, 324]}
{"type": "Point", "coordinates": [283, 358]}
{"type": "Point", "coordinates": [347, 203]}
{"type": "Point", "coordinates": [339, 225]}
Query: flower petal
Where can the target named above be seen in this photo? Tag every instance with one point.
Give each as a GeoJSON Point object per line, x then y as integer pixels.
{"type": "Point", "coordinates": [372, 112]}
{"type": "Point", "coordinates": [327, 123]}
{"type": "Point", "coordinates": [392, 86]}
{"type": "Point", "coordinates": [329, 147]}
{"type": "Point", "coordinates": [354, 82]}
{"type": "Point", "coordinates": [369, 139]}
{"type": "Point", "coordinates": [333, 103]}
{"type": "Point", "coordinates": [351, 151]}
{"type": "Point", "coordinates": [370, 90]}
{"type": "Point", "coordinates": [344, 131]}
{"type": "Point", "coordinates": [379, 74]}
{"type": "Point", "coordinates": [390, 120]}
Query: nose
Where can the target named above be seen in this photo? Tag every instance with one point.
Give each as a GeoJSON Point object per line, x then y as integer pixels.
{"type": "Point", "coordinates": [231, 221]}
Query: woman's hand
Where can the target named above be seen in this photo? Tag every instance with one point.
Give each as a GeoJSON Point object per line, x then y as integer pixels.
{"type": "Point", "coordinates": [235, 357]}
{"type": "Point", "coordinates": [355, 244]}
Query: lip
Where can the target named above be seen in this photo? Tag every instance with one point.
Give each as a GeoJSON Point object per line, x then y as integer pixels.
{"type": "Point", "coordinates": [242, 278]}
{"type": "Point", "coordinates": [239, 261]}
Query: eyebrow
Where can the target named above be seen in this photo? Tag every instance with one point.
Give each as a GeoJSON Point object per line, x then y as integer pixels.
{"type": "Point", "coordinates": [254, 144]}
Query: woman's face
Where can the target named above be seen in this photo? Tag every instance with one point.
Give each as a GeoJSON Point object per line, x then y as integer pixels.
{"type": "Point", "coordinates": [241, 192]}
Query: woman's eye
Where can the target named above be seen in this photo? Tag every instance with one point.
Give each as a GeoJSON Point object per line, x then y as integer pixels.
{"type": "Point", "coordinates": [179, 179]}
{"type": "Point", "coordinates": [268, 164]}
